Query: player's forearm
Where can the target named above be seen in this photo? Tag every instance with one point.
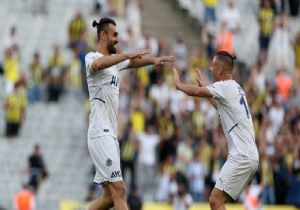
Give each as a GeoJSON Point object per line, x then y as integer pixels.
{"type": "Point", "coordinates": [193, 90]}
{"type": "Point", "coordinates": [107, 61]}
{"type": "Point", "coordinates": [190, 90]}
{"type": "Point", "coordinates": [139, 62]}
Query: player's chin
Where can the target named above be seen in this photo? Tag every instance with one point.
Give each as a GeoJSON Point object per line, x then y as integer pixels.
{"type": "Point", "coordinates": [116, 48]}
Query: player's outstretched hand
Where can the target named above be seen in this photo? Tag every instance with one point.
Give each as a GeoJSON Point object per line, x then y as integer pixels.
{"type": "Point", "coordinates": [139, 54]}
{"type": "Point", "coordinates": [163, 59]}
{"type": "Point", "coordinates": [176, 77]}
{"type": "Point", "coordinates": [201, 80]}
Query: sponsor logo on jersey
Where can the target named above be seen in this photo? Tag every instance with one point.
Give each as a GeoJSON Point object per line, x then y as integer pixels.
{"type": "Point", "coordinates": [114, 81]}
{"type": "Point", "coordinates": [115, 174]}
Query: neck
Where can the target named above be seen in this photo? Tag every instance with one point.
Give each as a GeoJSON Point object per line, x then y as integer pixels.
{"type": "Point", "coordinates": [227, 76]}
{"type": "Point", "coordinates": [102, 49]}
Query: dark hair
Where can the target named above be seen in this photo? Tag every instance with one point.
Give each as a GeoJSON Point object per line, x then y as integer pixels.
{"type": "Point", "coordinates": [102, 25]}
{"type": "Point", "coordinates": [226, 58]}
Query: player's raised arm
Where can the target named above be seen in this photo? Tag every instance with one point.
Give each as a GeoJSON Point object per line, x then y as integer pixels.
{"type": "Point", "coordinates": [110, 60]}
{"type": "Point", "coordinates": [191, 90]}
{"type": "Point", "coordinates": [149, 60]}
{"type": "Point", "coordinates": [202, 82]}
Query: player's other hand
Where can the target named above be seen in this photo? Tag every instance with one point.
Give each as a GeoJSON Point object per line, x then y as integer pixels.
{"type": "Point", "coordinates": [163, 59]}
{"type": "Point", "coordinates": [201, 80]}
{"type": "Point", "coordinates": [176, 77]}
{"type": "Point", "coordinates": [139, 54]}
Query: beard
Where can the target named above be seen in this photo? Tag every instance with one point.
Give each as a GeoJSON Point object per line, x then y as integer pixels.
{"type": "Point", "coordinates": [111, 47]}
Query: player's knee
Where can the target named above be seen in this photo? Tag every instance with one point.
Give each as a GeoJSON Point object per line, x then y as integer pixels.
{"type": "Point", "coordinates": [214, 202]}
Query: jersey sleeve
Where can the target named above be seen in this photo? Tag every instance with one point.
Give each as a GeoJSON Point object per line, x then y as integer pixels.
{"type": "Point", "coordinates": [89, 59]}
{"type": "Point", "coordinates": [123, 65]}
{"type": "Point", "coordinates": [217, 90]}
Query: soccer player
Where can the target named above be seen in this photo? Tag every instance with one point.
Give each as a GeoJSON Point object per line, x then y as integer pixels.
{"type": "Point", "coordinates": [227, 96]}
{"type": "Point", "coordinates": [102, 68]}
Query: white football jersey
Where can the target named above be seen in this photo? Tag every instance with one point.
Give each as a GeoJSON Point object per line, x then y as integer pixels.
{"type": "Point", "coordinates": [103, 88]}
{"type": "Point", "coordinates": [235, 118]}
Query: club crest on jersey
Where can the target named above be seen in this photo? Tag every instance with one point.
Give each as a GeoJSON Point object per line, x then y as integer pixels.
{"type": "Point", "coordinates": [114, 81]}
{"type": "Point", "coordinates": [108, 162]}
{"type": "Point", "coordinates": [115, 174]}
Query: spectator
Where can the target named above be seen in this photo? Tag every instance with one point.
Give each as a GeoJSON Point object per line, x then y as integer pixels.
{"type": "Point", "coordinates": [128, 148]}
{"type": "Point", "coordinates": [166, 177]}
{"type": "Point", "coordinates": [184, 155]}
{"type": "Point", "coordinates": [180, 198]}
{"type": "Point", "coordinates": [252, 197]}
{"type": "Point", "coordinates": [101, 8]}
{"type": "Point", "coordinates": [11, 42]}
{"type": "Point", "coordinates": [137, 118]}
{"type": "Point", "coordinates": [179, 50]}
{"type": "Point", "coordinates": [281, 54]}
{"type": "Point", "coordinates": [224, 40]}
{"type": "Point", "coordinates": [134, 200]}
{"type": "Point", "coordinates": [209, 11]}
{"type": "Point", "coordinates": [258, 77]}
{"type": "Point", "coordinates": [207, 39]}
{"type": "Point", "coordinates": [25, 199]}
{"type": "Point", "coordinates": [36, 79]}
{"type": "Point", "coordinates": [147, 143]}
{"type": "Point", "coordinates": [197, 173]}
{"type": "Point", "coordinates": [76, 27]}
{"type": "Point", "coordinates": [75, 72]}
{"type": "Point", "coordinates": [127, 40]}
{"type": "Point", "coordinates": [266, 21]}
{"type": "Point", "coordinates": [36, 168]}
{"type": "Point", "coordinates": [268, 195]}
{"type": "Point", "coordinates": [55, 75]}
{"type": "Point", "coordinates": [276, 115]}
{"type": "Point", "coordinates": [284, 84]}
{"type": "Point", "coordinates": [231, 17]}
{"type": "Point", "coordinates": [160, 93]}
{"type": "Point", "coordinates": [149, 42]}
{"type": "Point", "coordinates": [11, 71]}
{"type": "Point", "coordinates": [15, 105]}
{"type": "Point", "coordinates": [297, 56]}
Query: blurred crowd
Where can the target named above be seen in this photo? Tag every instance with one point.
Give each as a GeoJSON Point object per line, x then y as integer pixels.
{"type": "Point", "coordinates": [172, 144]}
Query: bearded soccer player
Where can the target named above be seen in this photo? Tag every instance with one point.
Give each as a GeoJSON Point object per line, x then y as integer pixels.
{"type": "Point", "coordinates": [102, 68]}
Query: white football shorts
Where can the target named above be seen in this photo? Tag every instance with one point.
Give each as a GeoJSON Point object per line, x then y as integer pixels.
{"type": "Point", "coordinates": [105, 153]}
{"type": "Point", "coordinates": [235, 174]}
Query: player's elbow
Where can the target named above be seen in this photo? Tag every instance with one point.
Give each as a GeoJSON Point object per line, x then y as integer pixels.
{"type": "Point", "coordinates": [99, 64]}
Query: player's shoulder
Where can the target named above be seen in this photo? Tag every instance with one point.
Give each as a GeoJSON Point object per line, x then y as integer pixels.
{"type": "Point", "coordinates": [92, 55]}
{"type": "Point", "coordinates": [225, 83]}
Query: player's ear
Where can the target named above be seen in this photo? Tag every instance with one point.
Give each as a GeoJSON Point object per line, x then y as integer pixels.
{"type": "Point", "coordinates": [103, 35]}
{"type": "Point", "coordinates": [220, 69]}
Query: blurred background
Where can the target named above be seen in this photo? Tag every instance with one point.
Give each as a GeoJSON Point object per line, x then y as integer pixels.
{"type": "Point", "coordinates": [171, 145]}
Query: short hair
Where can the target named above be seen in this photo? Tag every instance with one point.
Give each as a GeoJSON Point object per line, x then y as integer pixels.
{"type": "Point", "coordinates": [102, 25]}
{"type": "Point", "coordinates": [226, 58]}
